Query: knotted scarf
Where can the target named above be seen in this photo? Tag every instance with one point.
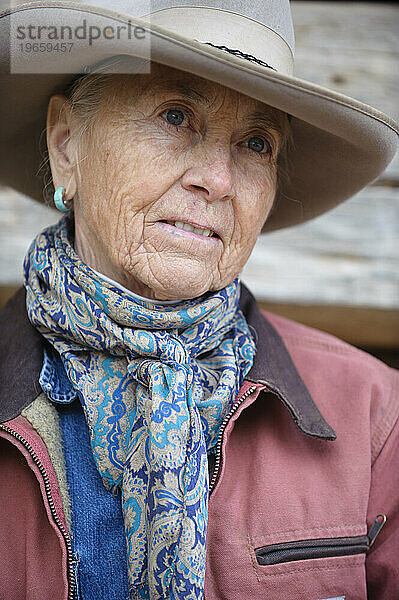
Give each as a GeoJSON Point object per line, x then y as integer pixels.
{"type": "Point", "coordinates": [155, 382]}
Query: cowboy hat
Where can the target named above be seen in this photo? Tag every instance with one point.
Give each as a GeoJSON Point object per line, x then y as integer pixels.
{"type": "Point", "coordinates": [339, 144]}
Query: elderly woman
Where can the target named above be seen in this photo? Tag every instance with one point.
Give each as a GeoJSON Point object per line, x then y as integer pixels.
{"type": "Point", "coordinates": [147, 449]}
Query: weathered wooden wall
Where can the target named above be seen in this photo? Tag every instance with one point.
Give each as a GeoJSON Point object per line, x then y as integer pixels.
{"type": "Point", "coordinates": [347, 258]}
{"type": "Point", "coordinates": [352, 47]}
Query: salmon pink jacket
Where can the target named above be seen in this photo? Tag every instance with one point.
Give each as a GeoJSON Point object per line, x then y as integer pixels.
{"type": "Point", "coordinates": [305, 475]}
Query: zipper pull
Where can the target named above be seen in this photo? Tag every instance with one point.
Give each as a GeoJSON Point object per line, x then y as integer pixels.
{"type": "Point", "coordinates": [375, 529]}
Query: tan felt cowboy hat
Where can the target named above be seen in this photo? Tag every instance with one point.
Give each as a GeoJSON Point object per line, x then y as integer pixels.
{"type": "Point", "coordinates": [340, 144]}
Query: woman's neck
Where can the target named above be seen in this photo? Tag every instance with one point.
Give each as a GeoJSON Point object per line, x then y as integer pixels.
{"type": "Point", "coordinates": [132, 294]}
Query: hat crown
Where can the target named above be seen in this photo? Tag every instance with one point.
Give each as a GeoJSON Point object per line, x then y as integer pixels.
{"type": "Point", "coordinates": [261, 29]}
{"type": "Point", "coordinates": [258, 30]}
{"type": "Point", "coordinates": [273, 14]}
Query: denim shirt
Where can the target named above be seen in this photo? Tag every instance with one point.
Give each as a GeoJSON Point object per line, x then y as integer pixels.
{"type": "Point", "coordinates": [98, 536]}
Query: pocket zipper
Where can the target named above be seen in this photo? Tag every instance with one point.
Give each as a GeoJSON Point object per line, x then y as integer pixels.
{"type": "Point", "coordinates": [319, 548]}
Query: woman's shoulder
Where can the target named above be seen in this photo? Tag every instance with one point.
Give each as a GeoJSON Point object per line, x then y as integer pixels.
{"type": "Point", "coordinates": [342, 379]}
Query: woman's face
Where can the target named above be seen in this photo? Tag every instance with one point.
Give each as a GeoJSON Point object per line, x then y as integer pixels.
{"type": "Point", "coordinates": [173, 184]}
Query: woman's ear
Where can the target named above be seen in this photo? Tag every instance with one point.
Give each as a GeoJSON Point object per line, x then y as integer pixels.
{"type": "Point", "coordinates": [62, 154]}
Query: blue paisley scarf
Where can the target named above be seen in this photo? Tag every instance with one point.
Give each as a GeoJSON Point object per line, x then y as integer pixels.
{"type": "Point", "coordinates": [155, 383]}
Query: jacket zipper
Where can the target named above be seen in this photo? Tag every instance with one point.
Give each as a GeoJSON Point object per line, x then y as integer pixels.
{"type": "Point", "coordinates": [65, 534]}
{"type": "Point", "coordinates": [319, 548]}
{"type": "Point", "coordinates": [218, 453]}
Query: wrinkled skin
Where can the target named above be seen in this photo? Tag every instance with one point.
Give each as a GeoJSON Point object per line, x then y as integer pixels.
{"type": "Point", "coordinates": [135, 170]}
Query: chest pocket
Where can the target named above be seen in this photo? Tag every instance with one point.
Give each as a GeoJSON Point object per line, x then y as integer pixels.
{"type": "Point", "coordinates": [319, 548]}
{"type": "Point", "coordinates": [315, 568]}
{"type": "Point", "coordinates": [309, 549]}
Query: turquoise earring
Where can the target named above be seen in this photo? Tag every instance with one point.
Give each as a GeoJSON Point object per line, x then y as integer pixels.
{"type": "Point", "coordinates": [59, 200]}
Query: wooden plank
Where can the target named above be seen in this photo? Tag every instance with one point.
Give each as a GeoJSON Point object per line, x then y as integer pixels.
{"type": "Point", "coordinates": [364, 327]}
{"type": "Point", "coordinates": [348, 256]}
{"type": "Point", "coordinates": [6, 291]}
{"type": "Point", "coordinates": [353, 48]}
{"type": "Point", "coordinates": [20, 220]}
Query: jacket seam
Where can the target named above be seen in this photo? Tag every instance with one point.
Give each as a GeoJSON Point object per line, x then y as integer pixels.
{"type": "Point", "coordinates": [385, 426]}
{"type": "Point", "coordinates": [253, 558]}
{"type": "Point", "coordinates": [338, 347]}
{"type": "Point", "coordinates": [302, 530]}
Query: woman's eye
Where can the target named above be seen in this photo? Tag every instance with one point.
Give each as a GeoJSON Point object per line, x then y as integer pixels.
{"type": "Point", "coordinates": [174, 116]}
{"type": "Point", "coordinates": [258, 144]}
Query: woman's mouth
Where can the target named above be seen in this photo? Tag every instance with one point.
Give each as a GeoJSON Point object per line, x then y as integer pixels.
{"type": "Point", "coordinates": [191, 229]}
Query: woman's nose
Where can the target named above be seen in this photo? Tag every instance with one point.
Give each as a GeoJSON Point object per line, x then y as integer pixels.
{"type": "Point", "coordinates": [211, 176]}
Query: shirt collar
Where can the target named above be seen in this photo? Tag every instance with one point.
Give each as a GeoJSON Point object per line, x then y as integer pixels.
{"type": "Point", "coordinates": [54, 380]}
{"type": "Point", "coordinates": [131, 294]}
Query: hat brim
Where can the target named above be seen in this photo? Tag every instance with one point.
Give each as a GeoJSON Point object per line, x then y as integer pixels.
{"type": "Point", "coordinates": [339, 144]}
